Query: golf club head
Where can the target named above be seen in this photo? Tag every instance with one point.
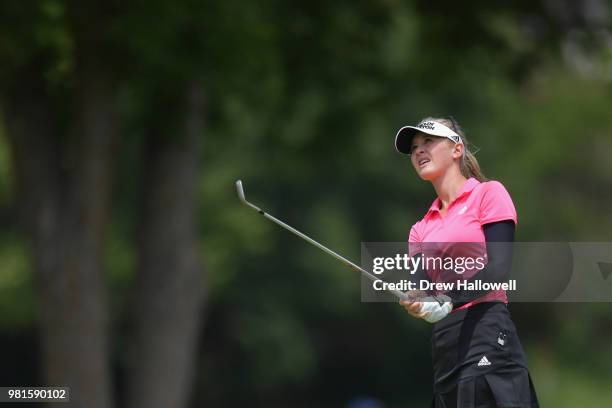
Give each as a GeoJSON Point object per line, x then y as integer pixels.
{"type": "Point", "coordinates": [240, 191]}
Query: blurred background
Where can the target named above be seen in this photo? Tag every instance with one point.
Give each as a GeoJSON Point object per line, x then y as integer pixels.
{"type": "Point", "coordinates": [130, 272]}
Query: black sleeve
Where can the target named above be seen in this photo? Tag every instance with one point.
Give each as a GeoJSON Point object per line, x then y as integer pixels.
{"type": "Point", "coordinates": [498, 265]}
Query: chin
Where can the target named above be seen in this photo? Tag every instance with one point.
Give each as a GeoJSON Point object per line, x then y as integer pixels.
{"type": "Point", "coordinates": [427, 174]}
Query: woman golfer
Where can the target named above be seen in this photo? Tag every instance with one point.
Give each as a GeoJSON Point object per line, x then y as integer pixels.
{"type": "Point", "coordinates": [478, 359]}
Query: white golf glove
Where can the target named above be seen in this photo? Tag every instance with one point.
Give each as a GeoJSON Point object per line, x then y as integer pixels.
{"type": "Point", "coordinates": [433, 311]}
{"type": "Point", "coordinates": [429, 308]}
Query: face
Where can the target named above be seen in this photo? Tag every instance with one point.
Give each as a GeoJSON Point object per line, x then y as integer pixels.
{"type": "Point", "coordinates": [432, 156]}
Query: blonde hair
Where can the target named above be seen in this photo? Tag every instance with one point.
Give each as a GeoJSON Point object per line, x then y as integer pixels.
{"type": "Point", "coordinates": [469, 164]}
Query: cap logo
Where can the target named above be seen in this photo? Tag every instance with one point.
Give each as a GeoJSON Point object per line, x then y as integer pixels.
{"type": "Point", "coordinates": [426, 125]}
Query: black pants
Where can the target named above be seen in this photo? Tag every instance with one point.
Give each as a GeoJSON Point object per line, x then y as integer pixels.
{"type": "Point", "coordinates": [479, 362]}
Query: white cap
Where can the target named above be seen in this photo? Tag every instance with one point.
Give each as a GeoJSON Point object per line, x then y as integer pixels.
{"type": "Point", "coordinates": [403, 138]}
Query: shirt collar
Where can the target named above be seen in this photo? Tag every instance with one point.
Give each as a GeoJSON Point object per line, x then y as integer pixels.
{"type": "Point", "coordinates": [467, 187]}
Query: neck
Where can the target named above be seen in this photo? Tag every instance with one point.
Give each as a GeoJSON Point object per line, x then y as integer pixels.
{"type": "Point", "coordinates": [448, 185]}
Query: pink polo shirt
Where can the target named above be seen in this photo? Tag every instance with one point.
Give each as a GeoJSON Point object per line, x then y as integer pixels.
{"type": "Point", "coordinates": [476, 204]}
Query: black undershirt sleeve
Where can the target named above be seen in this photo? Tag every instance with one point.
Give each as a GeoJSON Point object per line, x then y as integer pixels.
{"type": "Point", "coordinates": [499, 261]}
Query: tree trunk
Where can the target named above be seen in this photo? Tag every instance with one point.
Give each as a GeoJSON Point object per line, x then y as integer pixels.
{"type": "Point", "coordinates": [64, 191]}
{"type": "Point", "coordinates": [169, 289]}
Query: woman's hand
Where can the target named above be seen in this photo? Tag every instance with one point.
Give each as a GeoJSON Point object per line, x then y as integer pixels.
{"type": "Point", "coordinates": [414, 308]}
{"type": "Point", "coordinates": [430, 309]}
{"type": "Point", "coordinates": [412, 304]}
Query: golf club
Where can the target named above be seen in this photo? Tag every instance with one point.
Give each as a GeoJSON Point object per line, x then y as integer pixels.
{"type": "Point", "coordinates": [399, 294]}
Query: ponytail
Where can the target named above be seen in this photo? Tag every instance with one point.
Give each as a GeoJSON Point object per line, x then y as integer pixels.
{"type": "Point", "coordinates": [470, 166]}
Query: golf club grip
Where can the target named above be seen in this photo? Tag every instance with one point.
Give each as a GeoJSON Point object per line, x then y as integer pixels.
{"type": "Point", "coordinates": [397, 293]}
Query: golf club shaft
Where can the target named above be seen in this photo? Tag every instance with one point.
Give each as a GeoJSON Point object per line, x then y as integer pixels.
{"type": "Point", "coordinates": [399, 294]}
